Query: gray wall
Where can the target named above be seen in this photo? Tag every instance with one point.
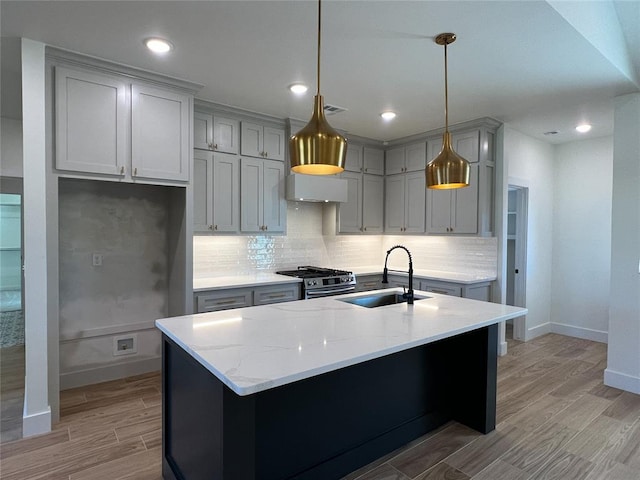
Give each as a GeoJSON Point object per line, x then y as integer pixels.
{"type": "Point", "coordinates": [128, 226]}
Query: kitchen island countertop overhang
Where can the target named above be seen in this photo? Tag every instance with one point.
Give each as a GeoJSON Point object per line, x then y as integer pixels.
{"type": "Point", "coordinates": [258, 348]}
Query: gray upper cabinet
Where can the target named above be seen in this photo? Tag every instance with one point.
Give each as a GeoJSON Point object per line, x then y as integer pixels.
{"type": "Point", "coordinates": [91, 122]}
{"type": "Point", "coordinates": [216, 133]}
{"type": "Point", "coordinates": [216, 190]}
{"type": "Point", "coordinates": [373, 161]}
{"type": "Point", "coordinates": [350, 212]}
{"type": "Point", "coordinates": [111, 126]}
{"type": "Point", "coordinates": [405, 203]}
{"type": "Point", "coordinates": [262, 141]}
{"type": "Point", "coordinates": [160, 129]}
{"type": "Point", "coordinates": [409, 158]}
{"type": "Point", "coordinates": [263, 206]}
{"type": "Point", "coordinates": [353, 161]}
{"type": "Point", "coordinates": [456, 211]}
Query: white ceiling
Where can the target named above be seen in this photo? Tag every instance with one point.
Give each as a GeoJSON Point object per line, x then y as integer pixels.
{"type": "Point", "coordinates": [539, 66]}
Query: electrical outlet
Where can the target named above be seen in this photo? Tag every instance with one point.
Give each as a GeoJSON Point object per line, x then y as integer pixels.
{"type": "Point", "coordinates": [97, 260]}
{"type": "Point", "coordinates": [125, 345]}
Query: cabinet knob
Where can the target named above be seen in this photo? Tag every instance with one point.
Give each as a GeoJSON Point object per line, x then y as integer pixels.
{"type": "Point", "coordinates": [266, 227]}
{"type": "Point", "coordinates": [135, 172]}
{"type": "Point", "coordinates": [365, 229]}
{"type": "Point", "coordinates": [215, 146]}
{"type": "Point", "coordinates": [210, 227]}
{"type": "Point", "coordinates": [215, 227]}
{"type": "Point", "coordinates": [122, 170]}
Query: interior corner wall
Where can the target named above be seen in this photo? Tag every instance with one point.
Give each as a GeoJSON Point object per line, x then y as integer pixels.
{"type": "Point", "coordinates": [11, 148]}
{"type": "Point", "coordinates": [532, 160]}
{"type": "Point", "coordinates": [582, 238]}
{"type": "Point", "coordinates": [623, 354]}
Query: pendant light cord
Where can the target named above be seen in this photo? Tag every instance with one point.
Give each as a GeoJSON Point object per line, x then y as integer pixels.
{"type": "Point", "coordinates": [319, 30]}
{"type": "Point", "coordinates": [446, 91]}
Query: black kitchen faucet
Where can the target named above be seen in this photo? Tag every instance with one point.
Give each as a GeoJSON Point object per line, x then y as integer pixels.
{"type": "Point", "coordinates": [408, 295]}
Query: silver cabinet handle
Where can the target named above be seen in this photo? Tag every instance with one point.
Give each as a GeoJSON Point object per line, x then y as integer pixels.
{"type": "Point", "coordinates": [122, 170]}
{"type": "Point", "coordinates": [135, 172]}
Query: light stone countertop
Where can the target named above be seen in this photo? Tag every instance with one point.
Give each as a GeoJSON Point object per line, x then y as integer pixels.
{"type": "Point", "coordinates": [257, 348]}
{"type": "Point", "coordinates": [237, 281]}
{"type": "Point", "coordinates": [457, 277]}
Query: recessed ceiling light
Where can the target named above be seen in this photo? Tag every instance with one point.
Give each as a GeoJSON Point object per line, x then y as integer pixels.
{"type": "Point", "coordinates": [158, 45]}
{"type": "Point", "coordinates": [298, 88]}
{"type": "Point", "coordinates": [584, 128]}
{"type": "Point", "coordinates": [388, 115]}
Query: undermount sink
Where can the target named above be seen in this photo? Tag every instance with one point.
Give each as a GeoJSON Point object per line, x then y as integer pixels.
{"type": "Point", "coordinates": [379, 299]}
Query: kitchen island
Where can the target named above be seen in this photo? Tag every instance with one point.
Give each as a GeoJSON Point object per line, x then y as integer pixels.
{"type": "Point", "coordinates": [317, 388]}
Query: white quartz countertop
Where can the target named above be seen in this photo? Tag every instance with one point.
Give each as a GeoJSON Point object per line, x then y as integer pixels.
{"type": "Point", "coordinates": [457, 277]}
{"type": "Point", "coordinates": [257, 348]}
{"type": "Point", "coordinates": [236, 281]}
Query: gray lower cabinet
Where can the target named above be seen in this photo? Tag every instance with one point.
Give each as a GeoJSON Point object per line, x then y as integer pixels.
{"type": "Point", "coordinates": [369, 282]}
{"type": "Point", "coordinates": [227, 298]}
{"type": "Point", "coordinates": [475, 291]}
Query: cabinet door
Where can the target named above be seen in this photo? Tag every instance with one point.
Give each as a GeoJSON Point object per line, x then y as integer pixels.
{"type": "Point", "coordinates": [443, 288]}
{"type": "Point", "coordinates": [273, 143]}
{"type": "Point", "coordinates": [350, 212]}
{"type": "Point", "coordinates": [225, 134]}
{"type": "Point", "coordinates": [414, 207]}
{"type": "Point", "coordinates": [464, 209]}
{"type": "Point", "coordinates": [416, 157]}
{"type": "Point", "coordinates": [353, 161]}
{"type": "Point", "coordinates": [202, 130]}
{"type": "Point", "coordinates": [467, 145]}
{"type": "Point", "coordinates": [251, 139]}
{"type": "Point", "coordinates": [214, 301]}
{"type": "Point", "coordinates": [202, 191]}
{"type": "Point", "coordinates": [434, 145]}
{"type": "Point", "coordinates": [91, 122]}
{"type": "Point", "coordinates": [372, 203]}
{"type": "Point", "coordinates": [373, 161]}
{"type": "Point", "coordinates": [394, 162]}
{"type": "Point", "coordinates": [369, 282]}
{"type": "Point", "coordinates": [226, 193]}
{"type": "Point", "coordinates": [439, 211]}
{"type": "Point", "coordinates": [274, 203]}
{"type": "Point", "coordinates": [160, 130]}
{"type": "Point", "coordinates": [251, 191]}
{"type": "Point", "coordinates": [394, 204]}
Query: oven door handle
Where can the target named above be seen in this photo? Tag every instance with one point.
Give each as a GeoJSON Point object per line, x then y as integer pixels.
{"type": "Point", "coordinates": [331, 291]}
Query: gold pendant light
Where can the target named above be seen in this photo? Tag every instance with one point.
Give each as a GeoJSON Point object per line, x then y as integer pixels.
{"type": "Point", "coordinates": [317, 149]}
{"type": "Point", "coordinates": [448, 170]}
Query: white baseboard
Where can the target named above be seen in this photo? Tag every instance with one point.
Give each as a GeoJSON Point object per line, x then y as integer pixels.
{"type": "Point", "coordinates": [622, 381]}
{"type": "Point", "coordinates": [537, 331]}
{"type": "Point", "coordinates": [36, 423]}
{"type": "Point", "coordinates": [109, 372]}
{"type": "Point", "coordinates": [580, 332]}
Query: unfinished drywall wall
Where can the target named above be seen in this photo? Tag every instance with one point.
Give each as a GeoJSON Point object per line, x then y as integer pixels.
{"type": "Point", "coordinates": [113, 256]}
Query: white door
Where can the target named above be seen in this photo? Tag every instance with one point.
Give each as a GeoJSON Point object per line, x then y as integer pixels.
{"type": "Point", "coordinates": [251, 139]}
{"type": "Point", "coordinates": [273, 143]}
{"type": "Point", "coordinates": [373, 161]}
{"type": "Point", "coordinates": [202, 130]}
{"type": "Point", "coordinates": [225, 135]}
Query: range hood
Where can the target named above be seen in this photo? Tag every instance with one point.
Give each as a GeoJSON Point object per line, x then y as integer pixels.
{"type": "Point", "coordinates": [316, 188]}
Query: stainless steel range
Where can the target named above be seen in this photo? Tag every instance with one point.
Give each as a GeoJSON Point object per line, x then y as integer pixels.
{"type": "Point", "coordinates": [323, 282]}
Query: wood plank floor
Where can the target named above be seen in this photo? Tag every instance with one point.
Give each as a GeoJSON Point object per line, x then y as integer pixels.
{"type": "Point", "coordinates": [556, 420]}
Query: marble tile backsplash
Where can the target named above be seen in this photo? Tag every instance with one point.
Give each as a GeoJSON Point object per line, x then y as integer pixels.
{"type": "Point", "coordinates": [305, 244]}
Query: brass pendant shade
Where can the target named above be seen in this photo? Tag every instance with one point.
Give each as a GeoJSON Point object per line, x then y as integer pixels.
{"type": "Point", "coordinates": [448, 170]}
{"type": "Point", "coordinates": [318, 149]}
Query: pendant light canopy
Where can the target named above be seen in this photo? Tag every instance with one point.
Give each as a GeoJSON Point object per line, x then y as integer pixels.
{"type": "Point", "coordinates": [318, 149]}
{"type": "Point", "coordinates": [448, 170]}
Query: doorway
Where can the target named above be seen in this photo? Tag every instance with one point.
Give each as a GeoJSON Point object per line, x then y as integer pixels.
{"type": "Point", "coordinates": [518, 200]}
{"type": "Point", "coordinates": [11, 310]}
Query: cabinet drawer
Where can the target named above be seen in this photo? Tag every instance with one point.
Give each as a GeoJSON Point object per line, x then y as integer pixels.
{"type": "Point", "coordinates": [276, 294]}
{"type": "Point", "coordinates": [441, 287]}
{"type": "Point", "coordinates": [369, 282]}
{"type": "Point", "coordinates": [224, 300]}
